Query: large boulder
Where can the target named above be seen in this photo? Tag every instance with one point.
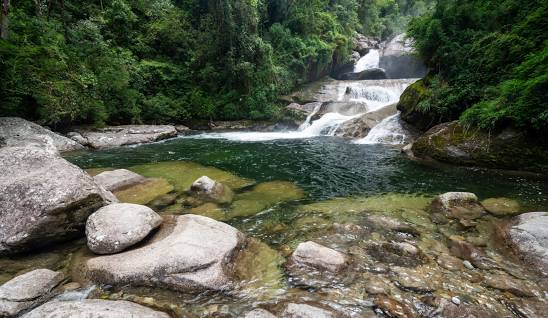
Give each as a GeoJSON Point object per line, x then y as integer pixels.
{"type": "Point", "coordinates": [209, 190]}
{"type": "Point", "coordinates": [528, 236]}
{"type": "Point", "coordinates": [44, 198]}
{"type": "Point", "coordinates": [94, 308]}
{"type": "Point", "coordinates": [318, 256]}
{"type": "Point", "coordinates": [508, 149]}
{"type": "Point", "coordinates": [28, 290]}
{"type": "Point", "coordinates": [189, 253]}
{"type": "Point", "coordinates": [359, 127]}
{"type": "Point", "coordinates": [410, 110]}
{"type": "Point", "coordinates": [369, 74]}
{"type": "Point", "coordinates": [117, 136]}
{"type": "Point", "coordinates": [118, 179]}
{"type": "Point", "coordinates": [457, 205]}
{"type": "Point", "coordinates": [116, 227]}
{"type": "Point", "coordinates": [16, 131]}
{"type": "Point", "coordinates": [399, 60]}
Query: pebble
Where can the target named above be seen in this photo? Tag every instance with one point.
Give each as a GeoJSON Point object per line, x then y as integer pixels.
{"type": "Point", "coordinates": [455, 300]}
{"type": "Point", "coordinates": [468, 265]}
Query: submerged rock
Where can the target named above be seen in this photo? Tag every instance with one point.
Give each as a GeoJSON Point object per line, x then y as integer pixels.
{"type": "Point", "coordinates": [419, 280]}
{"type": "Point", "coordinates": [508, 149]}
{"type": "Point", "coordinates": [144, 192]}
{"type": "Point", "coordinates": [391, 224]}
{"type": "Point", "coordinates": [450, 263]}
{"type": "Point", "coordinates": [501, 206]}
{"type": "Point", "coordinates": [467, 251]}
{"type": "Point", "coordinates": [259, 313]}
{"type": "Point", "coordinates": [392, 307]}
{"type": "Point", "coordinates": [117, 136]}
{"type": "Point", "coordinates": [506, 283]}
{"type": "Point", "coordinates": [320, 257]}
{"type": "Point", "coordinates": [94, 308]}
{"type": "Point", "coordinates": [263, 196]}
{"type": "Point", "coordinates": [189, 253]}
{"type": "Point", "coordinates": [28, 290]}
{"type": "Point", "coordinates": [17, 132]}
{"type": "Point", "coordinates": [396, 253]}
{"type": "Point", "coordinates": [458, 205]}
{"type": "Point", "coordinates": [210, 190]}
{"type": "Point", "coordinates": [528, 236]}
{"type": "Point", "coordinates": [446, 308]}
{"type": "Point", "coordinates": [116, 227]}
{"type": "Point", "coordinates": [44, 198]}
{"type": "Point", "coordinates": [118, 179]}
{"type": "Point", "coordinates": [305, 311]}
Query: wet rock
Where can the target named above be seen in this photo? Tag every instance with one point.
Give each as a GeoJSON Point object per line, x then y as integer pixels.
{"type": "Point", "coordinates": [392, 224]}
{"type": "Point", "coordinates": [466, 251]}
{"type": "Point", "coordinates": [450, 263]}
{"type": "Point", "coordinates": [189, 253]}
{"type": "Point", "coordinates": [320, 257]}
{"type": "Point", "coordinates": [17, 132]}
{"type": "Point", "coordinates": [362, 44]}
{"type": "Point", "coordinates": [305, 311]}
{"type": "Point", "coordinates": [144, 192]}
{"type": "Point", "coordinates": [411, 113]}
{"type": "Point", "coordinates": [259, 313]}
{"type": "Point", "coordinates": [501, 206]}
{"type": "Point", "coordinates": [118, 226]}
{"type": "Point", "coordinates": [457, 205]}
{"type": "Point", "coordinates": [118, 179]}
{"type": "Point", "coordinates": [181, 128]}
{"type": "Point", "coordinates": [375, 286]}
{"type": "Point", "coordinates": [210, 190]}
{"type": "Point", "coordinates": [508, 149]}
{"type": "Point", "coordinates": [419, 280]}
{"type": "Point", "coordinates": [369, 74]}
{"type": "Point", "coordinates": [392, 307]}
{"type": "Point", "coordinates": [398, 60]}
{"type": "Point", "coordinates": [94, 308]}
{"type": "Point", "coordinates": [359, 127]}
{"type": "Point", "coordinates": [70, 286]}
{"type": "Point", "coordinates": [506, 283]}
{"type": "Point", "coordinates": [397, 253]}
{"type": "Point", "coordinates": [446, 308]}
{"type": "Point", "coordinates": [528, 236]}
{"type": "Point", "coordinates": [117, 136]}
{"type": "Point", "coordinates": [528, 308]}
{"type": "Point", "coordinates": [28, 290]}
{"type": "Point", "coordinates": [44, 198]}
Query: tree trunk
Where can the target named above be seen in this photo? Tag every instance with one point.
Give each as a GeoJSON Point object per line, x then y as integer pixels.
{"type": "Point", "coordinates": [38, 7]}
{"type": "Point", "coordinates": [4, 20]}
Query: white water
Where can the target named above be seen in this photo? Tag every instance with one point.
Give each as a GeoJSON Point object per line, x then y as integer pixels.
{"type": "Point", "coordinates": [389, 132]}
{"type": "Point", "coordinates": [368, 61]}
{"type": "Point", "coordinates": [306, 123]}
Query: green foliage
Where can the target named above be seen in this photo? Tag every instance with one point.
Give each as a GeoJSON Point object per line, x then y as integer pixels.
{"type": "Point", "coordinates": [489, 62]}
{"type": "Point", "coordinates": [158, 61]}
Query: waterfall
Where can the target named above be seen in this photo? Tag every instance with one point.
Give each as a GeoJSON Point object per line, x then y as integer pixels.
{"type": "Point", "coordinates": [368, 61]}
{"type": "Point", "coordinates": [389, 131]}
{"type": "Point", "coordinates": [306, 123]}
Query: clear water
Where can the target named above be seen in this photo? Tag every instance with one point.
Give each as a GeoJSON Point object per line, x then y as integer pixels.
{"type": "Point", "coordinates": [325, 167]}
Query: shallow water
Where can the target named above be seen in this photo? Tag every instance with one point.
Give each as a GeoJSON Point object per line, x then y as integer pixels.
{"type": "Point", "coordinates": [289, 191]}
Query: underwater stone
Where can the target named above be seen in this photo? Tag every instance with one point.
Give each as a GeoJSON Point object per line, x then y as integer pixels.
{"type": "Point", "coordinates": [318, 256]}
{"type": "Point", "coordinates": [210, 190]}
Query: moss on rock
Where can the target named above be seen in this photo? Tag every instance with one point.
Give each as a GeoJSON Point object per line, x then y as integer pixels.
{"type": "Point", "coordinates": [409, 106]}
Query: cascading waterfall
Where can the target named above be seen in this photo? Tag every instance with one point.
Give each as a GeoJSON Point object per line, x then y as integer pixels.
{"type": "Point", "coordinates": [368, 61]}
{"type": "Point", "coordinates": [306, 123]}
{"type": "Point", "coordinates": [389, 131]}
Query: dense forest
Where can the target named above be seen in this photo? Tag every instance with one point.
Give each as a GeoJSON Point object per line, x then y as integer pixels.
{"type": "Point", "coordinates": [155, 61]}
{"type": "Point", "coordinates": [488, 61]}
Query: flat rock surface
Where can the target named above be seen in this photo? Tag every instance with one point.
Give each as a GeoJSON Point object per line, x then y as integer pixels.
{"type": "Point", "coordinates": [14, 131]}
{"type": "Point", "coordinates": [44, 198]}
{"type": "Point", "coordinates": [259, 313]}
{"type": "Point", "coordinates": [118, 179]}
{"type": "Point", "coordinates": [27, 290]}
{"type": "Point", "coordinates": [94, 308]}
{"type": "Point", "coordinates": [189, 253]}
{"type": "Point", "coordinates": [115, 227]}
{"type": "Point", "coordinates": [117, 136]}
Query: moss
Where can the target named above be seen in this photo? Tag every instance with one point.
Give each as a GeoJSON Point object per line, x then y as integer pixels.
{"type": "Point", "coordinates": [409, 106]}
{"type": "Point", "coordinates": [145, 192]}
{"type": "Point", "coordinates": [181, 174]}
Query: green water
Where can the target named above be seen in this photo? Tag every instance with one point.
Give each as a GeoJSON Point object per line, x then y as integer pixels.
{"type": "Point", "coordinates": [326, 167]}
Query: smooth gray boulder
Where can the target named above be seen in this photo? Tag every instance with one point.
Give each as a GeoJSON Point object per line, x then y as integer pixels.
{"type": "Point", "coordinates": [319, 256]}
{"type": "Point", "coordinates": [94, 308]}
{"type": "Point", "coordinates": [117, 136]}
{"type": "Point", "coordinates": [116, 227]}
{"type": "Point", "coordinates": [188, 253]}
{"type": "Point", "coordinates": [528, 235]}
{"type": "Point", "coordinates": [27, 291]}
{"type": "Point", "coordinates": [359, 127]}
{"type": "Point", "coordinates": [118, 179]}
{"type": "Point", "coordinates": [305, 311]}
{"type": "Point", "coordinates": [16, 131]}
{"type": "Point", "coordinates": [259, 313]}
{"type": "Point", "coordinates": [209, 190]}
{"type": "Point", "coordinates": [44, 198]}
{"type": "Point", "coordinates": [399, 60]}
